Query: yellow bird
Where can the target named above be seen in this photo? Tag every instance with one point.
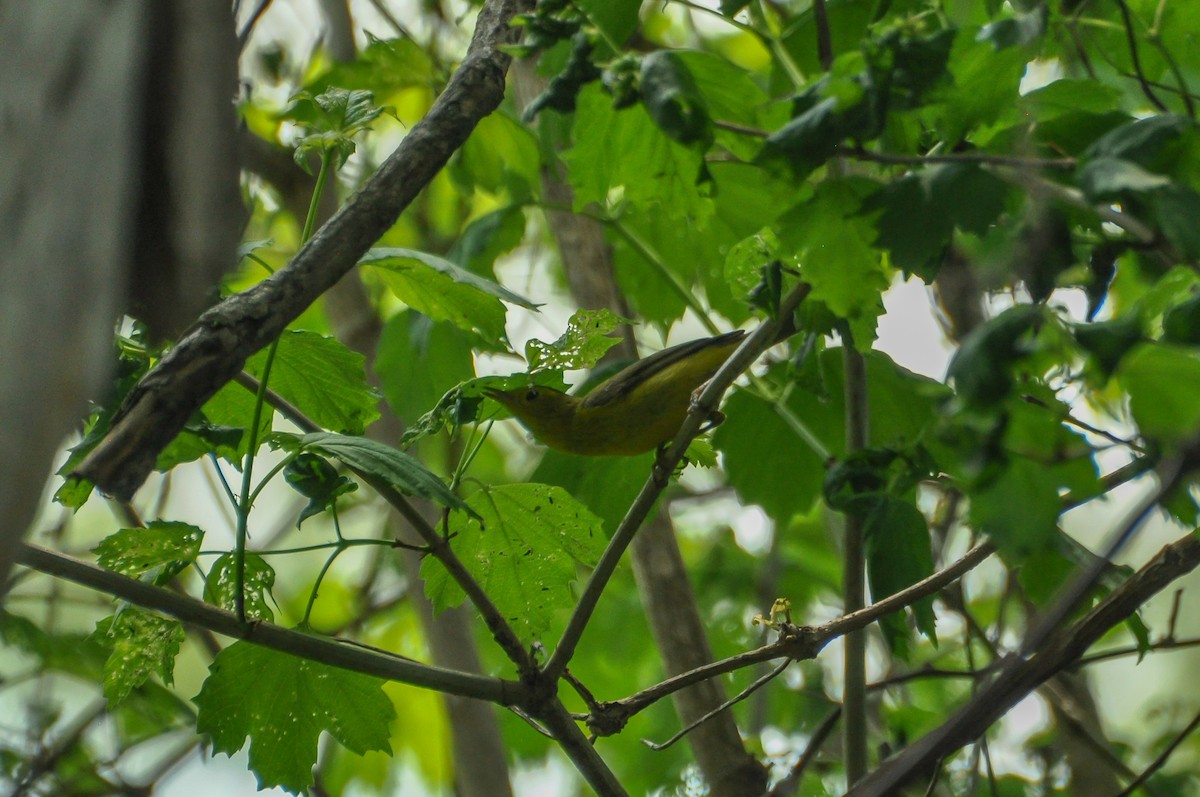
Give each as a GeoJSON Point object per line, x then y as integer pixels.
{"type": "Point", "coordinates": [634, 411]}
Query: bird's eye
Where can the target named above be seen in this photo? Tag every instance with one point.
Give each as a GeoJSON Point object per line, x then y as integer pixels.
{"type": "Point", "coordinates": [532, 394]}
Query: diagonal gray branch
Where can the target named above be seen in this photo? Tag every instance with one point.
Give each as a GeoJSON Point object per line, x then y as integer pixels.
{"type": "Point", "coordinates": [215, 348]}
{"type": "Point", "coordinates": [308, 646]}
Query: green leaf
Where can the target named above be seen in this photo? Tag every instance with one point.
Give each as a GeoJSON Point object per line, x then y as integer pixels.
{"type": "Point", "coordinates": [898, 556]}
{"type": "Point", "coordinates": [1175, 208]}
{"type": "Point", "coordinates": [384, 66]}
{"type": "Point", "coordinates": [626, 150]}
{"type": "Point", "coordinates": [444, 291]}
{"type": "Point", "coordinates": [1109, 341]}
{"type": "Point", "coordinates": [787, 483]}
{"type": "Point", "coordinates": [316, 480]}
{"type": "Point", "coordinates": [155, 554]}
{"type": "Point", "coordinates": [732, 95]}
{"type": "Point", "coordinates": [605, 485]}
{"type": "Point", "coordinates": [1151, 143]}
{"type": "Point", "coordinates": [1067, 95]}
{"type": "Point", "coordinates": [674, 103]}
{"type": "Point", "coordinates": [810, 138]}
{"type": "Point", "coordinates": [832, 243]}
{"type": "Point", "coordinates": [220, 588]}
{"type": "Point", "coordinates": [902, 408]}
{"type": "Point", "coordinates": [77, 654]}
{"type": "Point", "coordinates": [1181, 323]}
{"type": "Point", "coordinates": [398, 469]}
{"type": "Point", "coordinates": [488, 237]}
{"type": "Point", "coordinates": [1024, 484]}
{"type": "Point", "coordinates": [981, 369]}
{"type": "Point", "coordinates": [248, 247]}
{"type": "Point", "coordinates": [746, 261]}
{"type": "Point", "coordinates": [149, 712]}
{"type": "Point", "coordinates": [523, 547]}
{"type": "Point", "coordinates": [986, 84]}
{"type": "Point", "coordinates": [1106, 178]}
{"type": "Point", "coordinates": [142, 645]}
{"type": "Point", "coordinates": [323, 379]}
{"type": "Point", "coordinates": [282, 704]}
{"type": "Point", "coordinates": [219, 428]}
{"type": "Point", "coordinates": [332, 119]}
{"type": "Point", "coordinates": [418, 360]}
{"type": "Point", "coordinates": [921, 210]}
{"type": "Point", "coordinates": [1162, 382]}
{"type": "Point", "coordinates": [617, 19]}
{"type": "Point", "coordinates": [588, 337]}
{"type": "Point", "coordinates": [501, 155]}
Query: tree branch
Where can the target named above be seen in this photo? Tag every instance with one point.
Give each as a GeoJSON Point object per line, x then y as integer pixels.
{"type": "Point", "coordinates": [308, 646]}
{"type": "Point", "coordinates": [215, 348]}
{"type": "Point", "coordinates": [1022, 675]}
{"type": "Point", "coordinates": [797, 642]}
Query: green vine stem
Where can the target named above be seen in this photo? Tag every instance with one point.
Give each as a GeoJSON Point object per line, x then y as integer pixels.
{"type": "Point", "coordinates": [247, 494]}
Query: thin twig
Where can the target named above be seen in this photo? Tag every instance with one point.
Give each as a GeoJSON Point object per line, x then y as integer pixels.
{"type": "Point", "coordinates": [1133, 56]}
{"type": "Point", "coordinates": [1158, 763]}
{"type": "Point", "coordinates": [984, 158]}
{"type": "Point", "coordinates": [824, 37]}
{"type": "Point", "coordinates": [248, 28]}
{"type": "Point", "coordinates": [1075, 198]}
{"type": "Point", "coordinates": [1047, 648]}
{"type": "Point", "coordinates": [791, 783]}
{"type": "Point", "coordinates": [806, 643]}
{"type": "Point", "coordinates": [758, 683]}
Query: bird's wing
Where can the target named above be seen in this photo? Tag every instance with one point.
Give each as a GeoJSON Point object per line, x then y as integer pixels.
{"type": "Point", "coordinates": [621, 383]}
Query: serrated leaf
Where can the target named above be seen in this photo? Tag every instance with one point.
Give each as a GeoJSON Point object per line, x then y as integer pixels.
{"type": "Point", "coordinates": [398, 469]}
{"type": "Point", "coordinates": [142, 645]}
{"type": "Point", "coordinates": [921, 210]}
{"type": "Point", "coordinates": [444, 291]}
{"type": "Point", "coordinates": [220, 588]}
{"type": "Point", "coordinates": [155, 553]}
{"type": "Point", "coordinates": [902, 408]}
{"type": "Point", "coordinates": [332, 118]}
{"type": "Point", "coordinates": [322, 377]}
{"type": "Point", "coordinates": [524, 550]}
{"type": "Point", "coordinates": [626, 149]}
{"type": "Point", "coordinates": [831, 241]}
{"type": "Point", "coordinates": [282, 704]}
{"type": "Point", "coordinates": [587, 338]}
